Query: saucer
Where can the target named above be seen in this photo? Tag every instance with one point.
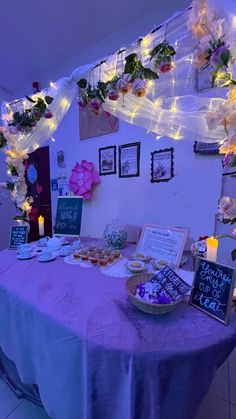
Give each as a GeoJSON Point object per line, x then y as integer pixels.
{"type": "Point", "coordinates": [20, 257]}
{"type": "Point", "coordinates": [140, 256]}
{"type": "Point", "coordinates": [135, 266]}
{"type": "Point", "coordinates": [40, 259]}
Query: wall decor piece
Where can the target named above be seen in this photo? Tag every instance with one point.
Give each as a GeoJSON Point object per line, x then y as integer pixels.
{"type": "Point", "coordinates": [162, 165]}
{"type": "Point", "coordinates": [206, 148]}
{"type": "Point", "coordinates": [129, 160]}
{"type": "Point", "coordinates": [83, 178]}
{"type": "Point", "coordinates": [163, 243]}
{"type": "Point", "coordinates": [107, 161]}
{"type": "Point", "coordinates": [54, 184]}
{"type": "Point", "coordinates": [68, 216]}
{"type": "Point", "coordinates": [213, 289]}
{"type": "Point", "coordinates": [61, 159]}
{"type": "Point", "coordinates": [91, 126]}
{"type": "Point", "coordinates": [18, 236]}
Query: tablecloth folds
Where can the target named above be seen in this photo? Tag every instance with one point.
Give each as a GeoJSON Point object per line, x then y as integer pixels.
{"type": "Point", "coordinates": [74, 333]}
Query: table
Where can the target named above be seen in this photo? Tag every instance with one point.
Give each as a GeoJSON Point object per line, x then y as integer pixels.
{"type": "Point", "coordinates": [74, 333]}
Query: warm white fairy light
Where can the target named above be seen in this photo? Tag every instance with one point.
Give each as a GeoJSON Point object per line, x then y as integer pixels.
{"type": "Point", "coordinates": [234, 21]}
{"type": "Point", "coordinates": [64, 102]}
{"type": "Point", "coordinates": [177, 135]}
{"type": "Point", "coordinates": [158, 102]}
{"type": "Point", "coordinates": [147, 40]}
{"type": "Point", "coordinates": [52, 85]}
{"type": "Point", "coordinates": [53, 139]}
{"type": "Point", "coordinates": [8, 106]}
{"type": "Point", "coordinates": [35, 146]}
{"type": "Point", "coordinates": [158, 137]}
{"type": "Point", "coordinates": [51, 124]}
{"type": "Point", "coordinates": [174, 108]}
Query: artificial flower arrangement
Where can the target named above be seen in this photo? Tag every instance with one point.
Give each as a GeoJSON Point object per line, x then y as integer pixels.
{"type": "Point", "coordinates": [134, 79]}
{"type": "Point", "coordinates": [26, 120]}
{"type": "Point", "coordinates": [21, 122]}
{"type": "Point", "coordinates": [83, 179]}
{"type": "Point", "coordinates": [162, 55]}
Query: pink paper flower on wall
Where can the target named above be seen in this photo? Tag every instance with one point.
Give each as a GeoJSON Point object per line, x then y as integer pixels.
{"type": "Point", "coordinates": [83, 178]}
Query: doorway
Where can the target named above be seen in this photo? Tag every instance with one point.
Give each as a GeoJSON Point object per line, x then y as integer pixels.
{"type": "Point", "coordinates": [39, 187]}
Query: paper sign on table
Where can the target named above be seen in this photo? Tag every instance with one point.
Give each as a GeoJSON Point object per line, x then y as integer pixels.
{"type": "Point", "coordinates": [213, 289]}
{"type": "Point", "coordinates": [18, 236]}
{"type": "Point", "coordinates": [170, 283]}
{"type": "Point", "coordinates": [163, 243]}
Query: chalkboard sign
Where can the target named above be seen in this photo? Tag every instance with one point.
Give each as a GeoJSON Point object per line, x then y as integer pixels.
{"type": "Point", "coordinates": [213, 289]}
{"type": "Point", "coordinates": [18, 236]}
{"type": "Point", "coordinates": [169, 283]}
{"type": "Point", "coordinates": [68, 217]}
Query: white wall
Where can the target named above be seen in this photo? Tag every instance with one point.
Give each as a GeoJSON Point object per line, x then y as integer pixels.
{"type": "Point", "coordinates": [189, 199]}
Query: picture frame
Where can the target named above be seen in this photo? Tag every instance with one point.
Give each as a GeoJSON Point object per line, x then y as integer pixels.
{"type": "Point", "coordinates": [206, 148]}
{"type": "Point", "coordinates": [61, 159]}
{"type": "Point", "coordinates": [213, 294]}
{"type": "Point", "coordinates": [162, 165]}
{"type": "Point", "coordinates": [107, 161]}
{"type": "Point", "coordinates": [163, 243]}
{"type": "Point", "coordinates": [129, 160]}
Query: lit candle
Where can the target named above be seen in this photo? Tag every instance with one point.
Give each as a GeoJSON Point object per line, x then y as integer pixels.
{"type": "Point", "coordinates": [212, 246]}
{"type": "Point", "coordinates": [41, 225]}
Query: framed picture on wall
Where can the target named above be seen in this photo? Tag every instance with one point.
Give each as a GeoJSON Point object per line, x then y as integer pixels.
{"type": "Point", "coordinates": [162, 165]}
{"type": "Point", "coordinates": [129, 160]}
{"type": "Point", "coordinates": [107, 161]}
{"type": "Point", "coordinates": [206, 148]}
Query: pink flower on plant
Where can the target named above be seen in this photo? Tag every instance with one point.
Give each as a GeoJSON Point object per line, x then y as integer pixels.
{"type": "Point", "coordinates": [165, 67]}
{"type": "Point", "coordinates": [82, 102]}
{"type": "Point", "coordinates": [83, 178]}
{"type": "Point", "coordinates": [228, 159]}
{"type": "Point", "coordinates": [95, 106]}
{"type": "Point", "coordinates": [139, 87]}
{"type": "Point", "coordinates": [48, 114]}
{"type": "Point", "coordinates": [113, 94]}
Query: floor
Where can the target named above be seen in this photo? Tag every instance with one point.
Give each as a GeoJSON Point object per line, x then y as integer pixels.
{"type": "Point", "coordinates": [220, 402]}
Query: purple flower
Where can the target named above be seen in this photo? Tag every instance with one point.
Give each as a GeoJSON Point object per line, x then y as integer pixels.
{"type": "Point", "coordinates": [220, 56]}
{"type": "Point", "coordinates": [141, 290]}
{"type": "Point", "coordinates": [228, 160]}
{"type": "Point", "coordinates": [163, 299]}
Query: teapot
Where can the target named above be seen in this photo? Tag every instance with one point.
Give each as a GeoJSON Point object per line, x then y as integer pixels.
{"type": "Point", "coordinates": [55, 243]}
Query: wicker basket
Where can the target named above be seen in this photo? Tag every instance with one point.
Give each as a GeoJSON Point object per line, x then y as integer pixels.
{"type": "Point", "coordinates": [131, 286]}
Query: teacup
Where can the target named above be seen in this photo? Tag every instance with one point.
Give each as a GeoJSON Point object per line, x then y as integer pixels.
{"type": "Point", "coordinates": [25, 253]}
{"type": "Point", "coordinates": [25, 246]}
{"type": "Point", "coordinates": [43, 241]}
{"type": "Point", "coordinates": [76, 244]}
{"type": "Point", "coordinates": [66, 251]}
{"type": "Point", "coordinates": [46, 255]}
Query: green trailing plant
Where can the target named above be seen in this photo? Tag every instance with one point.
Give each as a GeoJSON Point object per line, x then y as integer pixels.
{"type": "Point", "coordinates": [12, 170]}
{"type": "Point", "coordinates": [25, 121]}
{"type": "Point", "coordinates": [162, 54]}
{"type": "Point", "coordinates": [3, 141]}
{"type": "Point", "coordinates": [136, 70]}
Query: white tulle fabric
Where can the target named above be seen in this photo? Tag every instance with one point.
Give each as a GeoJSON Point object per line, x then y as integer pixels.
{"type": "Point", "coordinates": [172, 107]}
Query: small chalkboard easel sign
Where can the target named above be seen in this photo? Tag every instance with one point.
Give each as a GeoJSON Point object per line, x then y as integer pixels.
{"type": "Point", "coordinates": [18, 236]}
{"type": "Point", "coordinates": [68, 216]}
{"type": "Point", "coordinates": [213, 289]}
{"type": "Point", "coordinates": [169, 283]}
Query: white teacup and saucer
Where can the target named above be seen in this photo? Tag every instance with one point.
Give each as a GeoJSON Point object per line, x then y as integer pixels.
{"type": "Point", "coordinates": [66, 251]}
{"type": "Point", "coordinates": [42, 242]}
{"type": "Point", "coordinates": [46, 256]}
{"type": "Point", "coordinates": [23, 247]}
{"type": "Point", "coordinates": [76, 245]}
{"type": "Point", "coordinates": [25, 254]}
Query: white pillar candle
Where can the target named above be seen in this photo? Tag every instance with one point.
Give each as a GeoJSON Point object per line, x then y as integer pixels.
{"type": "Point", "coordinates": [41, 225]}
{"type": "Point", "coordinates": [212, 246]}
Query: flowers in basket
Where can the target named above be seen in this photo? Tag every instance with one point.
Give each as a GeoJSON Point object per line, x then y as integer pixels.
{"type": "Point", "coordinates": [199, 248]}
{"type": "Point", "coordinates": [146, 292]}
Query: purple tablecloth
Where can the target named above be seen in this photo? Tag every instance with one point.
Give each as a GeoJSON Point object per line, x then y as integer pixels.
{"type": "Point", "coordinates": [74, 333]}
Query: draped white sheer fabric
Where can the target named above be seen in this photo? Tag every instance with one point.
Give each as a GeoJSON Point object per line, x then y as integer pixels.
{"type": "Point", "coordinates": [172, 107]}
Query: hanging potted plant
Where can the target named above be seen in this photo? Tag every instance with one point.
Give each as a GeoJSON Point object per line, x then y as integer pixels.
{"type": "Point", "coordinates": [93, 97]}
